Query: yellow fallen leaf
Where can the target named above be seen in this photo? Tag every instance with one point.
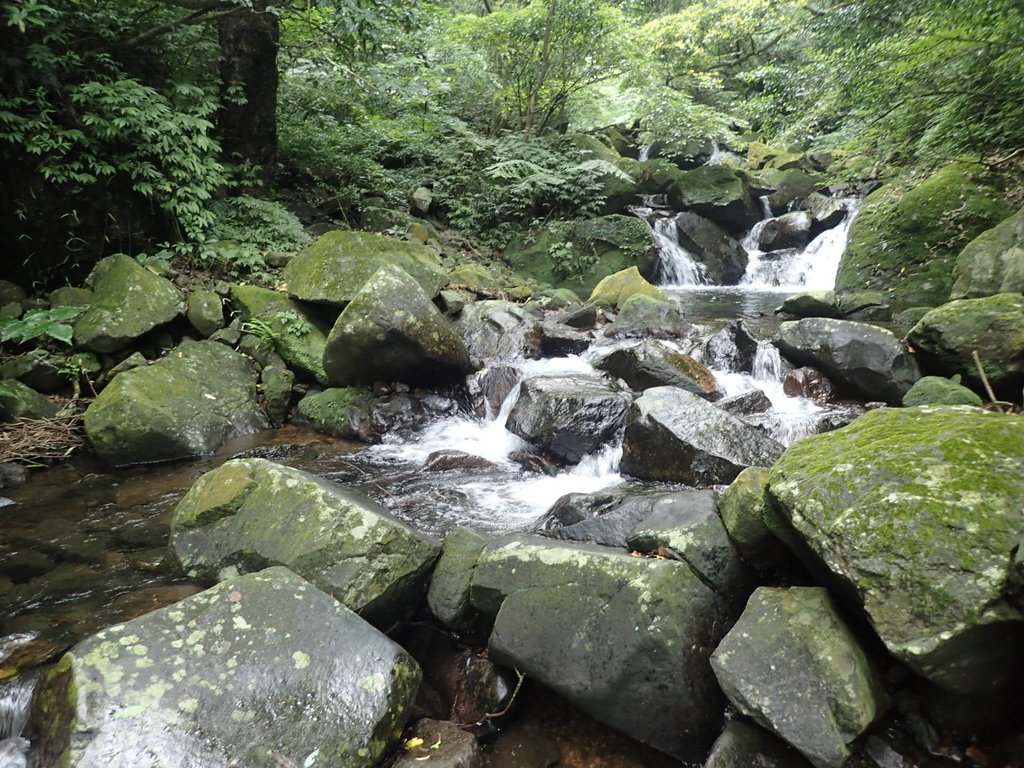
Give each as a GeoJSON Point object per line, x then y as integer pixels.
{"type": "Point", "coordinates": [6, 672]}
{"type": "Point", "coordinates": [414, 742]}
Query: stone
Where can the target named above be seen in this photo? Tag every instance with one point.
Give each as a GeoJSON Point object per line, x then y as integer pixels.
{"type": "Point", "coordinates": [646, 317]}
{"type": "Point", "coordinates": [443, 744]}
{"type": "Point", "coordinates": [791, 230]}
{"type": "Point", "coordinates": [568, 416]}
{"type": "Point", "coordinates": [744, 745]}
{"type": "Point", "coordinates": [733, 348]}
{"type": "Point", "coordinates": [567, 615]}
{"type": "Point", "coordinates": [869, 360]}
{"type": "Point", "coordinates": [993, 326]}
{"type": "Point", "coordinates": [497, 331]}
{"type": "Point", "coordinates": [71, 297]}
{"type": "Point", "coordinates": [187, 404]}
{"type": "Point", "coordinates": [447, 460]}
{"type": "Point", "coordinates": [345, 412]}
{"type": "Point", "coordinates": [205, 312]}
{"type": "Point", "coordinates": [790, 186]}
{"type": "Point", "coordinates": [390, 331]}
{"type": "Point", "coordinates": [129, 302]}
{"type": "Point", "coordinates": [276, 383]}
{"type": "Point", "coordinates": [175, 687]}
{"type": "Point", "coordinates": [11, 293]}
{"type": "Point", "coordinates": [993, 262]}
{"type": "Point", "coordinates": [296, 333]}
{"type": "Point", "coordinates": [745, 506]}
{"type": "Point", "coordinates": [791, 664]}
{"type": "Point", "coordinates": [913, 514]}
{"type": "Point", "coordinates": [675, 436]}
{"type": "Point", "coordinates": [746, 404]}
{"type": "Point", "coordinates": [935, 390]}
{"type": "Point", "coordinates": [448, 596]}
{"type": "Point", "coordinates": [249, 514]}
{"type": "Point", "coordinates": [334, 268]}
{"type": "Point", "coordinates": [19, 401]}
{"type": "Point", "coordinates": [615, 289]}
{"type": "Point", "coordinates": [718, 193]}
{"type": "Point", "coordinates": [722, 256]}
{"type": "Point", "coordinates": [810, 383]}
{"type": "Point", "coordinates": [908, 235]}
{"type": "Point", "coordinates": [42, 370]}
{"type": "Point", "coordinates": [558, 340]}
{"type": "Point", "coordinates": [654, 364]}
{"type": "Point", "coordinates": [810, 304]}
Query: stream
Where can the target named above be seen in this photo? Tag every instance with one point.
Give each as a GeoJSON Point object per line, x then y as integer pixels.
{"type": "Point", "coordinates": [85, 547]}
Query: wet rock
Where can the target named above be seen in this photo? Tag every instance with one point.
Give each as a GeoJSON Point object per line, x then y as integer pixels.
{"type": "Point", "coordinates": [654, 364]}
{"type": "Point", "coordinates": [187, 404]}
{"type": "Point", "coordinates": [534, 462]}
{"type": "Point", "coordinates": [719, 193]}
{"type": "Point", "coordinates": [443, 743]}
{"type": "Point", "coordinates": [790, 187]}
{"type": "Point", "coordinates": [568, 416]}
{"type": "Point", "coordinates": [496, 384]}
{"type": "Point", "coordinates": [559, 340]}
{"type": "Point", "coordinates": [791, 230]}
{"type": "Point", "coordinates": [744, 745]}
{"type": "Point", "coordinates": [676, 436]}
{"type": "Point", "coordinates": [583, 318]}
{"type": "Point", "coordinates": [993, 326]}
{"type": "Point", "coordinates": [643, 317]}
{"type": "Point", "coordinates": [567, 616]}
{"type": "Point", "coordinates": [935, 390]}
{"type": "Point", "coordinates": [993, 262]}
{"type": "Point", "coordinates": [276, 383]}
{"type": "Point", "coordinates": [450, 583]}
{"type": "Point", "coordinates": [791, 664]}
{"type": "Point", "coordinates": [296, 333]}
{"type": "Point", "coordinates": [914, 512]}
{"type": "Point", "coordinates": [810, 304]}
{"type": "Point", "coordinates": [499, 330]}
{"type": "Point", "coordinates": [205, 312]}
{"type": "Point", "coordinates": [746, 404]}
{"type": "Point", "coordinates": [129, 302]}
{"type": "Point", "coordinates": [826, 212]}
{"type": "Point", "coordinates": [483, 689]}
{"type": "Point", "coordinates": [733, 348]}
{"type": "Point", "coordinates": [810, 383]}
{"type": "Point", "coordinates": [334, 269]}
{"type": "Point", "coordinates": [722, 256]}
{"type": "Point", "coordinates": [744, 507]}
{"type": "Point", "coordinates": [18, 401]}
{"type": "Point", "coordinates": [345, 412]}
{"type": "Point", "coordinates": [252, 513]}
{"type": "Point", "coordinates": [390, 331]}
{"type": "Point", "coordinates": [443, 461]}
{"type": "Point", "coordinates": [12, 475]}
{"type": "Point", "coordinates": [405, 412]}
{"type": "Point", "coordinates": [868, 359]}
{"type": "Point", "coordinates": [175, 687]}
{"type": "Point", "coordinates": [617, 288]}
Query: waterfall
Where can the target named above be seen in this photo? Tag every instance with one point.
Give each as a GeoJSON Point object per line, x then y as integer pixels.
{"type": "Point", "coordinates": [644, 153]}
{"type": "Point", "coordinates": [676, 265]}
{"type": "Point", "coordinates": [15, 701]}
{"type": "Point", "coordinates": [767, 366]}
{"type": "Point", "coordinates": [719, 156]}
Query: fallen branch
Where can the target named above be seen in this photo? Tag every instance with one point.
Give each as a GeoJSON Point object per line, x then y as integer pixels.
{"type": "Point", "coordinates": [984, 380]}
{"type": "Point", "coordinates": [511, 701]}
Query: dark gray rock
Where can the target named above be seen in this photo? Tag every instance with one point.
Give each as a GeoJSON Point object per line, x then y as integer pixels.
{"type": "Point", "coordinates": [499, 330]}
{"type": "Point", "coordinates": [642, 317]}
{"type": "Point", "coordinates": [18, 401]}
{"type": "Point", "coordinates": [205, 311]}
{"type": "Point", "coordinates": [558, 340]}
{"type": "Point", "coordinates": [445, 460]}
{"type": "Point", "coordinates": [676, 436]}
{"type": "Point", "coordinates": [443, 744]}
{"type": "Point", "coordinates": [791, 230]}
{"type": "Point", "coordinates": [810, 304]}
{"type": "Point", "coordinates": [745, 745]}
{"type": "Point", "coordinates": [722, 256]}
{"type": "Point", "coordinates": [654, 364]}
{"type": "Point", "coordinates": [746, 403]}
{"type": "Point", "coordinates": [448, 596]}
{"type": "Point", "coordinates": [732, 349]}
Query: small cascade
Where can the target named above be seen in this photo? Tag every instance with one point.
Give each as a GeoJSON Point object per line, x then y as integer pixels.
{"type": "Point", "coordinates": [767, 366]}
{"type": "Point", "coordinates": [718, 155]}
{"type": "Point", "coordinates": [15, 703]}
{"type": "Point", "coordinates": [676, 265]}
{"type": "Point", "coordinates": [766, 206]}
{"type": "Point", "coordinates": [645, 153]}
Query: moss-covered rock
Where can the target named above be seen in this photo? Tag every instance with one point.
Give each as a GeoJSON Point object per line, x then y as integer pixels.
{"type": "Point", "coordinates": [744, 507]}
{"type": "Point", "coordinates": [810, 304]}
{"type": "Point", "coordinates": [908, 235]}
{"type": "Point", "coordinates": [947, 337]}
{"type": "Point", "coordinates": [654, 364]}
{"type": "Point", "coordinates": [71, 297]}
{"type": "Point", "coordinates": [251, 513]}
{"type": "Point", "coordinates": [617, 288]}
{"type": "Point", "coordinates": [334, 268]}
{"type": "Point", "coordinates": [789, 186]}
{"type": "Point", "coordinates": [913, 513]}
{"type": "Point", "coordinates": [345, 412]}
{"type": "Point", "coordinates": [643, 316]}
{"type": "Point", "coordinates": [453, 577]}
{"type": "Point", "coordinates": [128, 302]}
{"type": "Point", "coordinates": [187, 404]}
{"type": "Point", "coordinates": [391, 331]}
{"type": "Point", "coordinates": [19, 401]}
{"type": "Point", "coordinates": [793, 666]}
{"type": "Point", "coordinates": [600, 247]}
{"type": "Point", "coordinates": [176, 687]}
{"type": "Point", "coordinates": [743, 745]}
{"type": "Point", "coordinates": [993, 262]}
{"type": "Point", "coordinates": [205, 312]}
{"type": "Point", "coordinates": [499, 330]}
{"type": "Point", "coordinates": [719, 193]}
{"type": "Point", "coordinates": [276, 384]}
{"type": "Point", "coordinates": [936, 390]}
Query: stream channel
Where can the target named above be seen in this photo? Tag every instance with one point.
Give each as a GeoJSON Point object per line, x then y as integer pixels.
{"type": "Point", "coordinates": [85, 547]}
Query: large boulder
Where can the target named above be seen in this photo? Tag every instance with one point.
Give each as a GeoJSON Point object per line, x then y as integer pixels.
{"type": "Point", "coordinates": [498, 330]}
{"type": "Point", "coordinates": [790, 186]}
{"type": "Point", "coordinates": [390, 331]}
{"type": "Point", "coordinates": [262, 670]}
{"type": "Point", "coordinates": [745, 507]}
{"type": "Point", "coordinates": [913, 514]}
{"type": "Point", "coordinates": [568, 416]}
{"type": "Point", "coordinates": [615, 289]}
{"type": "Point", "coordinates": [810, 304]}
{"type": "Point", "coordinates": [791, 230]}
{"type": "Point", "coordinates": [623, 638]}
{"type": "Point", "coordinates": [993, 262]}
{"type": "Point", "coordinates": [297, 333]}
{"type": "Point", "coordinates": [18, 401]}
{"type": "Point", "coordinates": [646, 317]}
{"type": "Point", "coordinates": [676, 436]}
{"type": "Point", "coordinates": [719, 193]}
{"type": "Point", "coordinates": [936, 390]}
{"type": "Point", "coordinates": [345, 412]}
{"type": "Point", "coordinates": [252, 513]}
{"type": "Point", "coordinates": [187, 404]}
{"type": "Point", "coordinates": [654, 364]}
{"type": "Point", "coordinates": [733, 348]}
{"type": "Point", "coordinates": [869, 360]}
{"type": "Point", "coordinates": [792, 665]}
{"type": "Point", "coordinates": [334, 268]}
{"type": "Point", "coordinates": [722, 256]}
{"type": "Point", "coordinates": [946, 338]}
{"type": "Point", "coordinates": [129, 301]}
{"type": "Point", "coordinates": [906, 239]}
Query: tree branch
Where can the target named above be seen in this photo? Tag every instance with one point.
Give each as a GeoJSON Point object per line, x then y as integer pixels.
{"type": "Point", "coordinates": [199, 15]}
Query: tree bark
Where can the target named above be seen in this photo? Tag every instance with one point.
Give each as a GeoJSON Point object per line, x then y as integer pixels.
{"type": "Point", "coordinates": [247, 122]}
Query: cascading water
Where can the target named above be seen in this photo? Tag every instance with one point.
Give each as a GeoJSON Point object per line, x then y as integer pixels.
{"type": "Point", "coordinates": [15, 700]}
{"type": "Point", "coordinates": [676, 265]}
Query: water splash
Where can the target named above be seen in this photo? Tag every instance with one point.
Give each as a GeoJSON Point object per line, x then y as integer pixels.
{"type": "Point", "coordinates": [15, 698]}
{"type": "Point", "coordinates": [676, 265]}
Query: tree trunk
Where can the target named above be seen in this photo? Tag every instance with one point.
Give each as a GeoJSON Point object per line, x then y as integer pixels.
{"type": "Point", "coordinates": [247, 122]}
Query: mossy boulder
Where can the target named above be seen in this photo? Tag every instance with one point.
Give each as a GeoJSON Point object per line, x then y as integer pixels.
{"type": "Point", "coordinates": [129, 301]}
{"type": "Point", "coordinates": [391, 331]}
{"type": "Point", "coordinates": [745, 508]}
{"type": "Point", "coordinates": [452, 579]}
{"type": "Point", "coordinates": [345, 412]}
{"type": "Point", "coordinates": [654, 364]}
{"type": "Point", "coordinates": [599, 247]}
{"type": "Point", "coordinates": [936, 390]}
{"type": "Point", "coordinates": [187, 404]}
{"type": "Point", "coordinates": [617, 288]}
{"type": "Point", "coordinates": [496, 330]}
{"type": "Point", "coordinates": [205, 312]}
{"type": "Point", "coordinates": [909, 233]}
{"type": "Point", "coordinates": [68, 296]}
{"type": "Point", "coordinates": [567, 615]}
{"type": "Point", "coordinates": [642, 316]}
{"type": "Point", "coordinates": [810, 304]}
{"type": "Point", "coordinates": [793, 666]}
{"type": "Point", "coordinates": [718, 193]}
{"type": "Point", "coordinates": [912, 514]}
{"type": "Point", "coordinates": [722, 257]}
{"type": "Point", "coordinates": [177, 687]}
{"type": "Point", "coordinates": [993, 262]}
{"type": "Point", "coordinates": [298, 333]}
{"type": "Point", "coordinates": [19, 401]}
{"type": "Point", "coordinates": [250, 514]}
{"type": "Point", "coordinates": [947, 337]}
{"type": "Point", "coordinates": [334, 268]}
{"type": "Point", "coordinates": [790, 186]}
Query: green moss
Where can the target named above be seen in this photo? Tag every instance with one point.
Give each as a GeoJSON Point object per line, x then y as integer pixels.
{"type": "Point", "coordinates": [935, 390]}
{"type": "Point", "coordinates": [338, 411]}
{"type": "Point", "coordinates": [616, 289]}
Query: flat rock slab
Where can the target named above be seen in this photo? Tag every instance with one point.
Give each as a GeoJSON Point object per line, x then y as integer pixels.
{"type": "Point", "coordinates": [252, 513]}
{"type": "Point", "coordinates": [260, 671]}
{"type": "Point", "coordinates": [914, 513]}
